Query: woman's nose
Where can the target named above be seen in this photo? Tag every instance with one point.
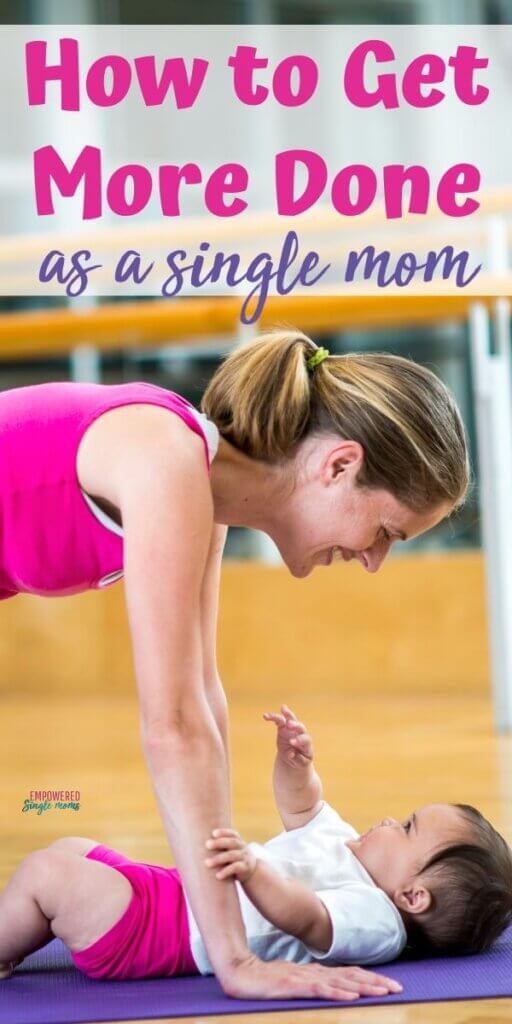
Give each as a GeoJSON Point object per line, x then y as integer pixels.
{"type": "Point", "coordinates": [372, 558]}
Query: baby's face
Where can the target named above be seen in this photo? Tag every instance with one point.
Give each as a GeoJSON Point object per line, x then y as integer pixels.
{"type": "Point", "coordinates": [394, 852]}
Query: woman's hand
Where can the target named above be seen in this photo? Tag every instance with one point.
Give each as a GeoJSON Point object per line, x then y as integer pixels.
{"type": "Point", "coordinates": [294, 744]}
{"type": "Point", "coordinates": [253, 979]}
{"type": "Point", "coordinates": [230, 855]}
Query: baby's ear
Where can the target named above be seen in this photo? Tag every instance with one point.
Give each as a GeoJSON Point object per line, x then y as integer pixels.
{"type": "Point", "coordinates": [413, 898]}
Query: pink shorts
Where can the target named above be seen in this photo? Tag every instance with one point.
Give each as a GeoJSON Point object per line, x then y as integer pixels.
{"type": "Point", "coordinates": [151, 939]}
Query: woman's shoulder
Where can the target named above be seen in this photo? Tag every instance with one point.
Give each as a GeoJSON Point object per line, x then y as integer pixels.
{"type": "Point", "coordinates": [136, 442]}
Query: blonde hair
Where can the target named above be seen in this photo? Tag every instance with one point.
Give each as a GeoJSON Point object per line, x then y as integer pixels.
{"type": "Point", "coordinates": [264, 400]}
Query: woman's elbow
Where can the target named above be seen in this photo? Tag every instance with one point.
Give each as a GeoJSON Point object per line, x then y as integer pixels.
{"type": "Point", "coordinates": [181, 727]}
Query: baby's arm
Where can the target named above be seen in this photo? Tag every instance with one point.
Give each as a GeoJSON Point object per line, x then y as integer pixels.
{"type": "Point", "coordinates": [297, 786]}
{"type": "Point", "coordinates": [285, 902]}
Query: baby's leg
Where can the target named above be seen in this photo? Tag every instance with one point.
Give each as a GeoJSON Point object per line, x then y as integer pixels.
{"type": "Point", "coordinates": [75, 844]}
{"type": "Point", "coordinates": [57, 892]}
{"type": "Point", "coordinates": [78, 845]}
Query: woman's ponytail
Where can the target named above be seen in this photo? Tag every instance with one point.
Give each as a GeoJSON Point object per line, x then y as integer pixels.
{"type": "Point", "coordinates": [260, 397]}
{"type": "Point", "coordinates": [264, 399]}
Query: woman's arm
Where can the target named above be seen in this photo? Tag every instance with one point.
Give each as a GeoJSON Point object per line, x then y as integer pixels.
{"type": "Point", "coordinates": [167, 516]}
{"type": "Point", "coordinates": [164, 495]}
{"type": "Point", "coordinates": [209, 615]}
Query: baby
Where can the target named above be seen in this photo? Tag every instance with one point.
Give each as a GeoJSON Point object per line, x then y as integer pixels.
{"type": "Point", "coordinates": [440, 882]}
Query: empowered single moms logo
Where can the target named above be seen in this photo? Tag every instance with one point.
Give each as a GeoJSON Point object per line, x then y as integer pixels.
{"type": "Point", "coordinates": [42, 800]}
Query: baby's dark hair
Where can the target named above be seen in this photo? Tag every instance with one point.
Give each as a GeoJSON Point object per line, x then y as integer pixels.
{"type": "Point", "coordinates": [471, 887]}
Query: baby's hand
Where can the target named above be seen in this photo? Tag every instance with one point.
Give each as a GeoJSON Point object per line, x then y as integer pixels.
{"type": "Point", "coordinates": [232, 858]}
{"type": "Point", "coordinates": [294, 744]}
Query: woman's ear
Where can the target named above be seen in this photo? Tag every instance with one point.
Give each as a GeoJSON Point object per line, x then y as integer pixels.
{"type": "Point", "coordinates": [414, 898]}
{"type": "Point", "coordinates": [346, 456]}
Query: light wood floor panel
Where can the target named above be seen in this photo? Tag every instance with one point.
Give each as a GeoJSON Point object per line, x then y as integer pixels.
{"type": "Point", "coordinates": [487, 1011]}
{"type": "Point", "coordinates": [377, 755]}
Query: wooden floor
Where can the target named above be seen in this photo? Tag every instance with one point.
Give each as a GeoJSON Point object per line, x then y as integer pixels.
{"type": "Point", "coordinates": [376, 755]}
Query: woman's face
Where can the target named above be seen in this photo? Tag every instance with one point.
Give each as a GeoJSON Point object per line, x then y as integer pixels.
{"type": "Point", "coordinates": [328, 516]}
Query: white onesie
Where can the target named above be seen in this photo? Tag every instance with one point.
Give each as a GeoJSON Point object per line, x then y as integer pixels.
{"type": "Point", "coordinates": [367, 927]}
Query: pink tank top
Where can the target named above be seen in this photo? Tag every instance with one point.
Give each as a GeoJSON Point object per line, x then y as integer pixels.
{"type": "Point", "coordinates": [53, 539]}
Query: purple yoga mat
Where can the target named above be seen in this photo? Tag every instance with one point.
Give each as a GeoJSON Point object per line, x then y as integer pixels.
{"type": "Point", "coordinates": [48, 989]}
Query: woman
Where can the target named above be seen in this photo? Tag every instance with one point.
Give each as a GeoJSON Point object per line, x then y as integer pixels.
{"type": "Point", "coordinates": [329, 455]}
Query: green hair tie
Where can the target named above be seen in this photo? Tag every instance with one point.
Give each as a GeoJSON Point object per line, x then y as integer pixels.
{"type": "Point", "coordinates": [317, 358]}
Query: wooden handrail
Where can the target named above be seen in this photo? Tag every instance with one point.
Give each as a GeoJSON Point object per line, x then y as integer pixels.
{"type": "Point", "coordinates": [322, 220]}
{"type": "Point", "coordinates": [112, 326]}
